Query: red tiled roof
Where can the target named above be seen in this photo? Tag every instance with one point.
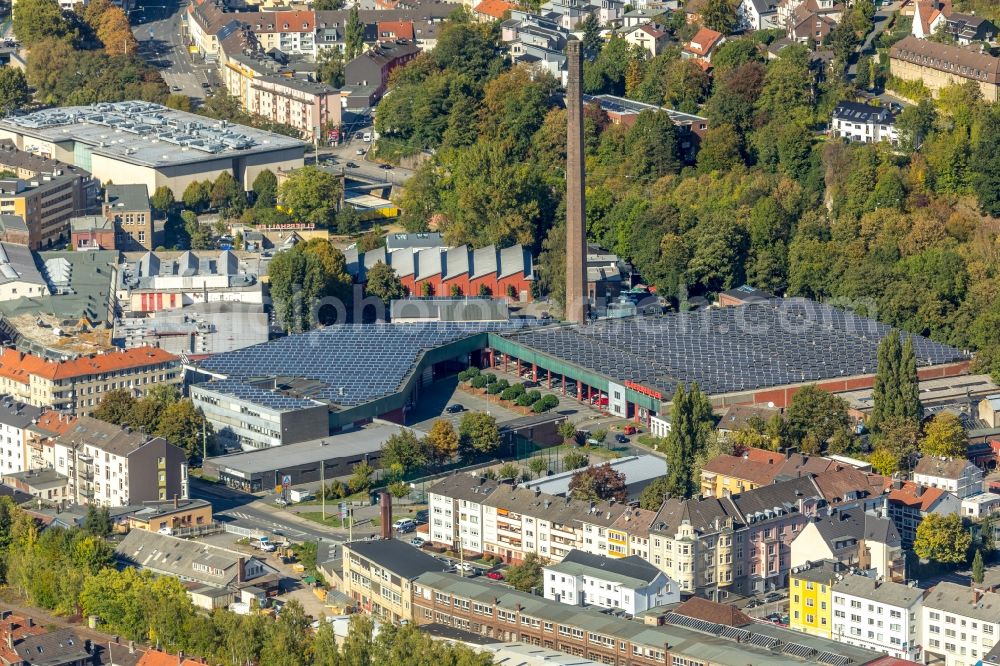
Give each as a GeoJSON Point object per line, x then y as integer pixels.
{"type": "Point", "coordinates": [55, 422]}
{"type": "Point", "coordinates": [19, 367]}
{"type": "Point", "coordinates": [157, 658]}
{"type": "Point", "coordinates": [297, 21]}
{"type": "Point", "coordinates": [396, 29]}
{"type": "Point", "coordinates": [837, 483]}
{"type": "Point", "coordinates": [703, 41]}
{"type": "Point", "coordinates": [15, 628]}
{"type": "Point", "coordinates": [711, 611]}
{"type": "Point", "coordinates": [907, 495]}
{"type": "Point", "coordinates": [494, 8]}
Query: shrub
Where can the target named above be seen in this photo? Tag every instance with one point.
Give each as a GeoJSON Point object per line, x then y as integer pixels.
{"type": "Point", "coordinates": [524, 400]}
{"type": "Point", "coordinates": [509, 393]}
{"type": "Point", "coordinates": [534, 396]}
{"type": "Point", "coordinates": [503, 383]}
{"type": "Point", "coordinates": [518, 389]}
{"type": "Point", "coordinates": [550, 401]}
{"type": "Point", "coordinates": [464, 376]}
{"type": "Point", "coordinates": [539, 406]}
{"type": "Point", "coordinates": [490, 378]}
{"type": "Point", "coordinates": [473, 371]}
{"type": "Point", "coordinates": [494, 388]}
{"type": "Point", "coordinates": [479, 381]}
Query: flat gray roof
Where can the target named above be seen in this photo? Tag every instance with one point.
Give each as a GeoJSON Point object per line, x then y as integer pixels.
{"type": "Point", "coordinates": [352, 443]}
{"type": "Point", "coordinates": [147, 134]}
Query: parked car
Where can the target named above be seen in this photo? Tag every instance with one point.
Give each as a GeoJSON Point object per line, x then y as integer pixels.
{"type": "Point", "coordinates": [495, 575]}
{"type": "Point", "coordinates": [281, 501]}
{"type": "Point", "coordinates": [387, 167]}
{"type": "Point", "coordinates": [771, 597]}
{"type": "Point", "coordinates": [753, 603]}
{"type": "Point", "coordinates": [417, 541]}
{"type": "Point", "coordinates": [455, 408]}
{"type": "Point", "coordinates": [421, 516]}
{"type": "Point", "coordinates": [359, 151]}
{"type": "Point", "coordinates": [166, 531]}
{"type": "Point", "coordinates": [621, 439]}
{"type": "Point", "coordinates": [175, 88]}
{"type": "Point", "coordinates": [774, 617]}
{"type": "Point", "coordinates": [351, 165]}
{"type": "Point", "coordinates": [404, 525]}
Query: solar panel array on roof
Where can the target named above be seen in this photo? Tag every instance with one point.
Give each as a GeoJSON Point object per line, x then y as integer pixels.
{"type": "Point", "coordinates": [692, 623]}
{"type": "Point", "coordinates": [798, 650]}
{"type": "Point", "coordinates": [734, 633]}
{"type": "Point", "coordinates": [834, 659]}
{"type": "Point", "coordinates": [268, 398]}
{"type": "Point", "coordinates": [355, 363]}
{"type": "Point", "coordinates": [726, 350]}
{"type": "Point", "coordinates": [763, 641]}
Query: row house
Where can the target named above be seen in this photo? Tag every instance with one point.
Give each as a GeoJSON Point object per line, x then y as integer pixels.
{"type": "Point", "coordinates": [877, 615]}
{"type": "Point", "coordinates": [519, 521]}
{"type": "Point", "coordinates": [109, 465]}
{"type": "Point", "coordinates": [853, 538]}
{"type": "Point", "coordinates": [959, 625]}
{"type": "Point", "coordinates": [455, 511]}
{"type": "Point", "coordinates": [629, 535]}
{"type": "Point", "coordinates": [77, 385]}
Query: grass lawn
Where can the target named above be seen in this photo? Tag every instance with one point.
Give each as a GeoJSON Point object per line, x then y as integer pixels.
{"type": "Point", "coordinates": [333, 519]}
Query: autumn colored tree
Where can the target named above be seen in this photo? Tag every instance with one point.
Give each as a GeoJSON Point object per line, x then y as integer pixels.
{"type": "Point", "coordinates": [601, 482]}
{"type": "Point", "coordinates": [442, 441]}
{"type": "Point", "coordinates": [115, 32]}
{"type": "Point", "coordinates": [945, 437]}
{"type": "Point", "coordinates": [942, 539]}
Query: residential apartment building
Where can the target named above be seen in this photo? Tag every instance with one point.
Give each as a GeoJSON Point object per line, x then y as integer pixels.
{"type": "Point", "coordinates": [908, 504]}
{"type": "Point", "coordinates": [980, 505]}
{"type": "Point", "coordinates": [863, 123]}
{"type": "Point", "coordinates": [372, 69]}
{"type": "Point", "coordinates": [15, 420]}
{"type": "Point", "coordinates": [78, 385]}
{"type": "Point", "coordinates": [519, 521]}
{"type": "Point", "coordinates": [45, 485]}
{"type": "Point", "coordinates": [774, 515]}
{"type": "Point", "coordinates": [108, 465]}
{"type": "Point", "coordinates": [127, 206]}
{"type": "Point", "coordinates": [25, 642]}
{"type": "Point", "coordinates": [45, 203]}
{"type": "Point", "coordinates": [171, 515]}
{"type": "Point", "coordinates": [652, 38]}
{"type": "Point", "coordinates": [631, 583]}
{"type": "Point", "coordinates": [758, 467]}
{"type": "Point", "coordinates": [941, 65]}
{"type": "Point", "coordinates": [809, 590]}
{"type": "Point", "coordinates": [853, 538]}
{"type": "Point", "coordinates": [758, 15]}
{"type": "Point", "coordinates": [629, 535]}
{"type": "Point", "coordinates": [455, 511]}
{"type": "Point", "coordinates": [379, 576]}
{"type": "Point", "coordinates": [40, 445]}
{"type": "Point", "coordinates": [959, 625]}
{"type": "Point", "coordinates": [956, 475]}
{"type": "Point", "coordinates": [701, 544]}
{"type": "Point", "coordinates": [877, 615]}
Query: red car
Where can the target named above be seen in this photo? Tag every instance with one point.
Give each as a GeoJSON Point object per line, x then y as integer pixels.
{"type": "Point", "coordinates": [495, 575]}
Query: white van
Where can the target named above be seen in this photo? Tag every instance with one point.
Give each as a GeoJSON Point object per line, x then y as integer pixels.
{"type": "Point", "coordinates": [404, 525]}
{"type": "Point", "coordinates": [368, 137]}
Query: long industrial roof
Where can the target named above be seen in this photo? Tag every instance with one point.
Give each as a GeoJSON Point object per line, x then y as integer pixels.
{"type": "Point", "coordinates": [146, 134]}
{"type": "Point", "coordinates": [729, 350]}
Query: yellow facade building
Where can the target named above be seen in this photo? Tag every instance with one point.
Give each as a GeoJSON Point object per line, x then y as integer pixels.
{"type": "Point", "coordinates": [809, 597]}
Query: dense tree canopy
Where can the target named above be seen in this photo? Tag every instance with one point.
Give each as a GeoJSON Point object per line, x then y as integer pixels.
{"type": "Point", "coordinates": [310, 285]}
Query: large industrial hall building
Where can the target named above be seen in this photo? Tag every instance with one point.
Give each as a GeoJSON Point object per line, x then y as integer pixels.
{"type": "Point", "coordinates": [150, 144]}
{"type": "Point", "coordinates": [756, 353]}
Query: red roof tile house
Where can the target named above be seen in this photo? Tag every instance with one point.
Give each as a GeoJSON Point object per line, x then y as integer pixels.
{"type": "Point", "coordinates": [651, 37]}
{"type": "Point", "coordinates": [390, 31]}
{"type": "Point", "coordinates": [703, 44]}
{"type": "Point", "coordinates": [909, 503]}
{"type": "Point", "coordinates": [492, 10]}
{"type": "Point", "coordinates": [24, 643]}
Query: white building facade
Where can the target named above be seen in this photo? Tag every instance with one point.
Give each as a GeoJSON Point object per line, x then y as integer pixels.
{"type": "Point", "coordinates": [862, 123]}
{"type": "Point", "coordinates": [959, 625]}
{"type": "Point", "coordinates": [630, 583]}
{"type": "Point", "coordinates": [959, 477]}
{"type": "Point", "coordinates": [879, 616]}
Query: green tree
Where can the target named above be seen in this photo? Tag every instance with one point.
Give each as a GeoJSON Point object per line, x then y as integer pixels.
{"type": "Point", "coordinates": [915, 123]}
{"type": "Point", "coordinates": [330, 66]}
{"type": "Point", "coordinates": [197, 196]}
{"type": "Point", "coordinates": [896, 393]}
{"type": "Point", "coordinates": [527, 575]}
{"type": "Point", "coordinates": [302, 277]}
{"type": "Point", "coordinates": [816, 412]}
{"type": "Point", "coordinates": [898, 438]}
{"type": "Point", "coordinates": [354, 34]}
{"type": "Point", "coordinates": [591, 39]}
{"type": "Point", "coordinates": [115, 407]}
{"type": "Point", "coordinates": [978, 570]}
{"type": "Point", "coordinates": [538, 466]}
{"type": "Point", "coordinates": [403, 451]}
{"type": "Point", "coordinates": [97, 522]}
{"type": "Point", "coordinates": [734, 53]}
{"type": "Point", "coordinates": [691, 425]}
{"type": "Point", "coordinates": [14, 92]}
{"type": "Point", "coordinates": [942, 539]}
{"type": "Point", "coordinates": [35, 20]}
{"type": "Point", "coordinates": [162, 200]}
{"type": "Point", "coordinates": [383, 283]}
{"type": "Point", "coordinates": [227, 195]}
{"type": "Point", "coordinates": [983, 164]}
{"type": "Point", "coordinates": [720, 150]}
{"type": "Point", "coordinates": [945, 437]}
{"type": "Point", "coordinates": [574, 460]}
{"type": "Point", "coordinates": [567, 430]}
{"type": "Point", "coordinates": [652, 145]}
{"type": "Point", "coordinates": [265, 186]}
{"type": "Point", "coordinates": [720, 15]}
{"type": "Point", "coordinates": [884, 461]}
{"type": "Point", "coordinates": [184, 425]}
{"type": "Point", "coordinates": [479, 432]}
{"type": "Point", "coordinates": [310, 195]}
{"type": "Point", "coordinates": [655, 494]}
{"type": "Point", "coordinates": [361, 477]}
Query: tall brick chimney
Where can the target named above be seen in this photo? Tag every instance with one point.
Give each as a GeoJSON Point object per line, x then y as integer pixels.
{"type": "Point", "coordinates": [385, 514]}
{"type": "Point", "coordinates": [576, 225]}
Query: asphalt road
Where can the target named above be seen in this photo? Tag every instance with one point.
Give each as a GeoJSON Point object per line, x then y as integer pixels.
{"type": "Point", "coordinates": [158, 26]}
{"type": "Point", "coordinates": [347, 152]}
{"type": "Point", "coordinates": [250, 511]}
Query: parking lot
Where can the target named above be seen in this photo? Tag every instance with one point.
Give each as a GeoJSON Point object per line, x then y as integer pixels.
{"type": "Point", "coordinates": [435, 399]}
